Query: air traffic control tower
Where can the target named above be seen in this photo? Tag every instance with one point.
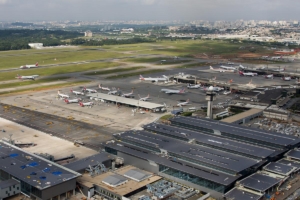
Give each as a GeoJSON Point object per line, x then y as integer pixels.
{"type": "Point", "coordinates": [210, 97]}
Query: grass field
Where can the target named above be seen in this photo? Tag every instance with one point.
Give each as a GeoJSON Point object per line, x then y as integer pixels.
{"type": "Point", "coordinates": [30, 82]}
{"type": "Point", "coordinates": [4, 76]}
{"type": "Point", "coordinates": [45, 87]}
{"type": "Point", "coordinates": [136, 73]}
{"type": "Point", "coordinates": [193, 65]}
{"type": "Point", "coordinates": [113, 71]}
{"type": "Point", "coordinates": [158, 60]}
{"type": "Point", "coordinates": [53, 57]}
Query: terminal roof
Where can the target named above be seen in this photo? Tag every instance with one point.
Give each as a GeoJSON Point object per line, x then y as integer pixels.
{"type": "Point", "coordinates": [127, 101]}
{"type": "Point", "coordinates": [32, 169]}
{"type": "Point", "coordinates": [294, 154]}
{"type": "Point", "coordinates": [251, 133]}
{"type": "Point", "coordinates": [91, 160]}
{"type": "Point", "coordinates": [289, 163]}
{"type": "Point", "coordinates": [186, 135]}
{"type": "Point", "coordinates": [212, 175]}
{"type": "Point", "coordinates": [198, 153]}
{"type": "Point", "coordinates": [279, 168]}
{"type": "Point", "coordinates": [259, 182]}
{"type": "Point", "coordinates": [237, 194]}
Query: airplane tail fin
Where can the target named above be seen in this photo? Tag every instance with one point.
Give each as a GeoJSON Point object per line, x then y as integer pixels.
{"type": "Point", "coordinates": [148, 96]}
{"type": "Point", "coordinates": [66, 100]}
{"type": "Point", "coordinates": [187, 100]}
{"type": "Point", "coordinates": [37, 64]}
{"type": "Point", "coordinates": [18, 76]}
{"type": "Point", "coordinates": [165, 76]}
{"type": "Point", "coordinates": [141, 77]}
{"type": "Point", "coordinates": [241, 73]}
{"type": "Point", "coordinates": [182, 90]}
{"type": "Point", "coordinates": [58, 92]}
{"type": "Point", "coordinates": [81, 104]}
{"type": "Point", "coordinates": [71, 90]}
{"type": "Point", "coordinates": [211, 67]}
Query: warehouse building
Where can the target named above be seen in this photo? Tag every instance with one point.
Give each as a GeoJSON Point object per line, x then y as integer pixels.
{"type": "Point", "coordinates": [38, 178]}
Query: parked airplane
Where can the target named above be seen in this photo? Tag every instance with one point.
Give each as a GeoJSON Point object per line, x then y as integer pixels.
{"type": "Point", "coordinates": [29, 66]}
{"type": "Point", "coordinates": [221, 69]}
{"type": "Point", "coordinates": [247, 73]}
{"type": "Point", "coordinates": [72, 100]}
{"type": "Point", "coordinates": [227, 92]}
{"type": "Point", "coordinates": [191, 86]}
{"type": "Point", "coordinates": [89, 90]}
{"type": "Point", "coordinates": [103, 88]}
{"type": "Point", "coordinates": [128, 95]}
{"type": "Point", "coordinates": [286, 78]}
{"type": "Point", "coordinates": [32, 77]}
{"type": "Point", "coordinates": [114, 91]}
{"type": "Point", "coordinates": [270, 76]}
{"type": "Point", "coordinates": [241, 66]}
{"type": "Point", "coordinates": [144, 98]}
{"type": "Point", "coordinates": [276, 57]}
{"type": "Point", "coordinates": [215, 89]}
{"type": "Point", "coordinates": [62, 95]}
{"type": "Point", "coordinates": [76, 92]}
{"type": "Point", "coordinates": [183, 103]}
{"type": "Point", "coordinates": [168, 91]}
{"type": "Point", "coordinates": [165, 78]}
{"type": "Point", "coordinates": [228, 68]}
{"type": "Point", "coordinates": [297, 81]}
{"type": "Point", "coordinates": [90, 104]}
{"type": "Point", "coordinates": [278, 70]}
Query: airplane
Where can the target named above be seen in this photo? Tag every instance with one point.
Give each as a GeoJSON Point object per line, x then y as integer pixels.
{"type": "Point", "coordinates": [62, 95]}
{"type": "Point", "coordinates": [90, 104]}
{"type": "Point", "coordinates": [32, 77]}
{"type": "Point", "coordinates": [247, 73]}
{"type": "Point", "coordinates": [190, 86]}
{"type": "Point", "coordinates": [270, 76]}
{"type": "Point", "coordinates": [276, 57]}
{"type": "Point", "coordinates": [72, 100]}
{"type": "Point", "coordinates": [227, 92]}
{"type": "Point", "coordinates": [103, 88]}
{"type": "Point", "coordinates": [278, 70]}
{"type": "Point", "coordinates": [183, 103]}
{"type": "Point", "coordinates": [29, 66]}
{"type": "Point", "coordinates": [144, 98]}
{"type": "Point", "coordinates": [228, 68]}
{"type": "Point", "coordinates": [168, 91]}
{"type": "Point", "coordinates": [165, 78]}
{"type": "Point", "coordinates": [215, 89]}
{"type": "Point", "coordinates": [221, 70]}
{"type": "Point", "coordinates": [241, 66]}
{"type": "Point", "coordinates": [76, 92]}
{"type": "Point", "coordinates": [89, 90]}
{"type": "Point", "coordinates": [297, 81]}
{"type": "Point", "coordinates": [128, 95]}
{"type": "Point", "coordinates": [286, 78]}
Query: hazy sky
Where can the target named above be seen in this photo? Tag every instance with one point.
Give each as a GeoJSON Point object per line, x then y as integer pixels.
{"type": "Point", "coordinates": [212, 10]}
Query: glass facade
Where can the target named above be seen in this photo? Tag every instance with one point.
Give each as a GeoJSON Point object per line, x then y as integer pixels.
{"type": "Point", "coordinates": [110, 150]}
{"type": "Point", "coordinates": [193, 179]}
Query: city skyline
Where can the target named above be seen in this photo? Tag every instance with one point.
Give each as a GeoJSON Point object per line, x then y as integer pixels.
{"type": "Point", "coordinates": [213, 10]}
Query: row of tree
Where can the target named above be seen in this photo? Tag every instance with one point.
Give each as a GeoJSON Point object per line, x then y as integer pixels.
{"type": "Point", "coordinates": [134, 40]}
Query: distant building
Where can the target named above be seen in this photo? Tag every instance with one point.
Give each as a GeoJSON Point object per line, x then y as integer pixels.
{"type": "Point", "coordinates": [127, 30]}
{"type": "Point", "coordinates": [88, 34]}
{"type": "Point", "coordinates": [36, 45]}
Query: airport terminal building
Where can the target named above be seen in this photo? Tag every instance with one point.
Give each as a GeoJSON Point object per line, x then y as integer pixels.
{"type": "Point", "coordinates": [205, 154]}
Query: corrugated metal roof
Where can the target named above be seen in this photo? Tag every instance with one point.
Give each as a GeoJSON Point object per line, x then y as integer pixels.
{"type": "Point", "coordinates": [259, 182]}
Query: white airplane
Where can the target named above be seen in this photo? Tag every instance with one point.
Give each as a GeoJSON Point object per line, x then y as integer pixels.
{"type": "Point", "coordinates": [144, 98]}
{"type": "Point", "coordinates": [297, 81]}
{"type": "Point", "coordinates": [32, 77]}
{"type": "Point", "coordinates": [89, 90]}
{"type": "Point", "coordinates": [128, 95]}
{"type": "Point", "coordinates": [168, 91]}
{"type": "Point", "coordinates": [227, 92]}
{"type": "Point", "coordinates": [278, 70]}
{"type": "Point", "coordinates": [76, 92]}
{"type": "Point", "coordinates": [276, 57]}
{"type": "Point", "coordinates": [247, 73]}
{"type": "Point", "coordinates": [103, 88]}
{"type": "Point", "coordinates": [190, 86]}
{"type": "Point", "coordinates": [215, 89]}
{"type": "Point", "coordinates": [270, 76]}
{"type": "Point", "coordinates": [62, 95]}
{"type": "Point", "coordinates": [221, 69]}
{"type": "Point", "coordinates": [286, 78]}
{"type": "Point", "coordinates": [180, 104]}
{"type": "Point", "coordinates": [29, 66]}
{"type": "Point", "coordinates": [90, 104]}
{"type": "Point", "coordinates": [165, 78]}
{"type": "Point", "coordinates": [228, 68]}
{"type": "Point", "coordinates": [72, 100]}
